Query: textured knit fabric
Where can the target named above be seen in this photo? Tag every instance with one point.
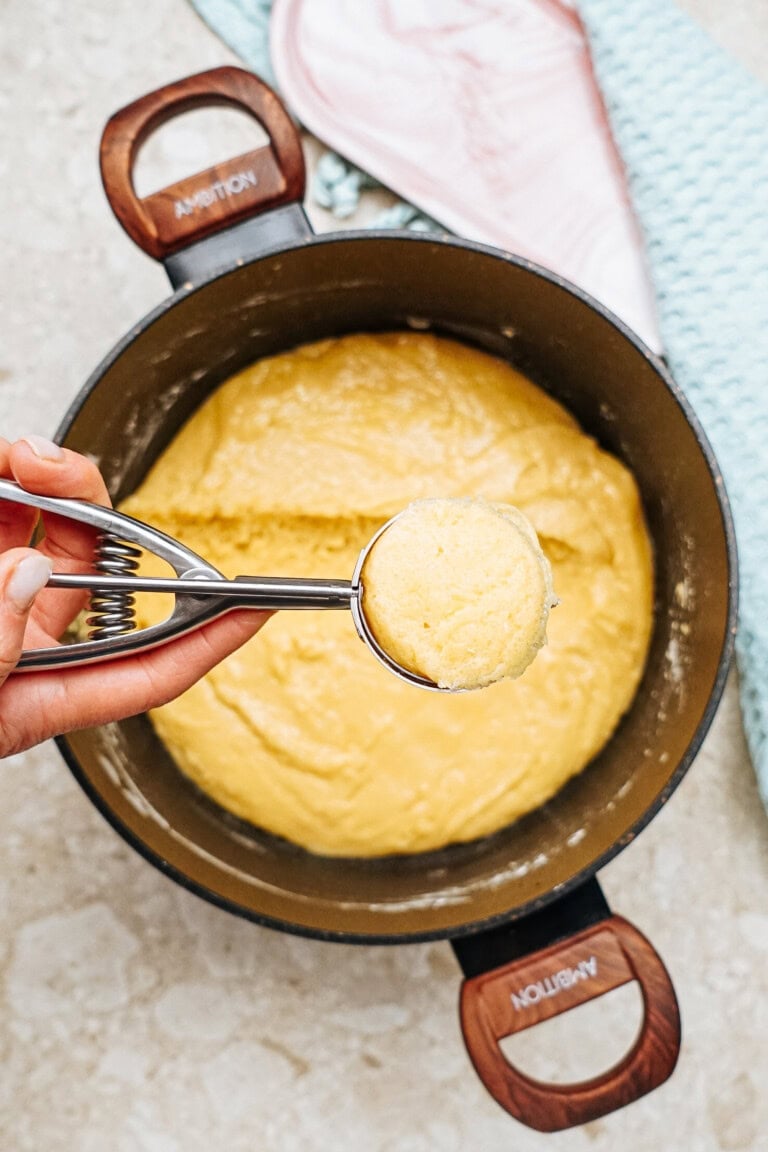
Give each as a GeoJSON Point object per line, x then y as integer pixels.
{"type": "Point", "coordinates": [243, 25]}
{"type": "Point", "coordinates": [692, 128]}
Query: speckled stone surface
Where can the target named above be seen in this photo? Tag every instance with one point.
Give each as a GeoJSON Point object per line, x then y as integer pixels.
{"type": "Point", "coordinates": [134, 1017]}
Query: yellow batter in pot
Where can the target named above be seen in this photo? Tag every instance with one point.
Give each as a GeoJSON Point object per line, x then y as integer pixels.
{"type": "Point", "coordinates": [289, 469]}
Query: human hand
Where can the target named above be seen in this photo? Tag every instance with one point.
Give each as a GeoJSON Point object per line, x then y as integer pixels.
{"type": "Point", "coordinates": [37, 705]}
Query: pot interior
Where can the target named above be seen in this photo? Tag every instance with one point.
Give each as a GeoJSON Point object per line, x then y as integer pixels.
{"type": "Point", "coordinates": [142, 394]}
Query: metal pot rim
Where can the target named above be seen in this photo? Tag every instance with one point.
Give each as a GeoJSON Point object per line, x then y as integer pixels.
{"type": "Point", "coordinates": [473, 926]}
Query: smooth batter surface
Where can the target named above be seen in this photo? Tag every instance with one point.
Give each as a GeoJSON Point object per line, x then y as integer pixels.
{"type": "Point", "coordinates": [289, 469]}
{"type": "Point", "coordinates": [458, 591]}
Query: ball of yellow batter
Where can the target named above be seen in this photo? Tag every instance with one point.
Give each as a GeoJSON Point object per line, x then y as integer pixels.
{"type": "Point", "coordinates": [458, 591]}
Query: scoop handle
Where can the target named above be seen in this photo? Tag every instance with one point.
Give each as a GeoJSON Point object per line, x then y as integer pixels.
{"type": "Point", "coordinates": [270, 593]}
{"type": "Point", "coordinates": [212, 200]}
{"type": "Point", "coordinates": [580, 968]}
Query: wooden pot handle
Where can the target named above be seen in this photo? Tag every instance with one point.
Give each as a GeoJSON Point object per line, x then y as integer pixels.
{"type": "Point", "coordinates": [212, 200]}
{"type": "Point", "coordinates": [582, 967]}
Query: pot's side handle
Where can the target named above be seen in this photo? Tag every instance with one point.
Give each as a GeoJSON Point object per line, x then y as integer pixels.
{"type": "Point", "coordinates": [219, 197]}
{"type": "Point", "coordinates": [553, 980]}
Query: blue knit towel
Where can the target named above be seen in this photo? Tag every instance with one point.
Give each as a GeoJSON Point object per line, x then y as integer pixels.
{"type": "Point", "coordinates": [692, 128]}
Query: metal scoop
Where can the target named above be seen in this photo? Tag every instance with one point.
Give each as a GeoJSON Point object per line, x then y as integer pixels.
{"type": "Point", "coordinates": [201, 592]}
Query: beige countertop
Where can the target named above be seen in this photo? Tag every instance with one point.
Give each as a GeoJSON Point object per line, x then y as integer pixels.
{"type": "Point", "coordinates": [136, 1018]}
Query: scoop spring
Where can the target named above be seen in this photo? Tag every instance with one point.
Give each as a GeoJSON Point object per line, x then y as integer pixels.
{"type": "Point", "coordinates": [113, 610]}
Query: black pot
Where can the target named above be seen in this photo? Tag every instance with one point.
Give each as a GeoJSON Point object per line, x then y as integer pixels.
{"type": "Point", "coordinates": [528, 922]}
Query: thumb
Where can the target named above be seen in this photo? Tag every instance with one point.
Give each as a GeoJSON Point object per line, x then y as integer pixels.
{"type": "Point", "coordinates": [23, 573]}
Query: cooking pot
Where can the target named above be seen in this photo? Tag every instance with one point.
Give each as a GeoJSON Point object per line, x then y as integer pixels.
{"type": "Point", "coordinates": [527, 920]}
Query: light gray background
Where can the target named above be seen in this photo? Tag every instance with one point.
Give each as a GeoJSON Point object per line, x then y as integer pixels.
{"type": "Point", "coordinates": [135, 1018]}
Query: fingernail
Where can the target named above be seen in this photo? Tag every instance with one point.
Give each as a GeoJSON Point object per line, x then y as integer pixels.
{"type": "Point", "coordinates": [28, 578]}
{"type": "Point", "coordinates": [42, 448]}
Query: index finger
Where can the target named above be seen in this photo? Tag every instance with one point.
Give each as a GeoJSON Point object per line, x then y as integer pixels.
{"type": "Point", "coordinates": [16, 521]}
{"type": "Point", "coordinates": [43, 467]}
